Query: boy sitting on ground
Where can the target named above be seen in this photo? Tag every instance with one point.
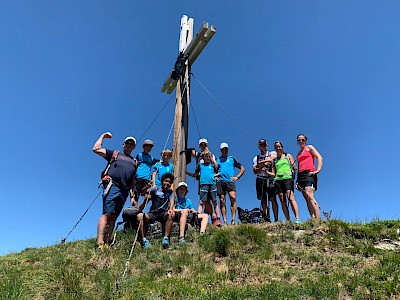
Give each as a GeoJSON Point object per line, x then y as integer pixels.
{"type": "Point", "coordinates": [183, 207]}
{"type": "Point", "coordinates": [162, 209]}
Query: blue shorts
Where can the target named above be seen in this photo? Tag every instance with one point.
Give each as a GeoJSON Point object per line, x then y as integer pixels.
{"type": "Point", "coordinates": [208, 190]}
{"type": "Point", "coordinates": [114, 201]}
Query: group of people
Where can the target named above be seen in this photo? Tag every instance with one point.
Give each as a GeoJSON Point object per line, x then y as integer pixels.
{"type": "Point", "coordinates": [143, 175]}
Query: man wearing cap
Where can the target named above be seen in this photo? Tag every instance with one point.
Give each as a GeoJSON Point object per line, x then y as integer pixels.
{"type": "Point", "coordinates": [262, 167]}
{"type": "Point", "coordinates": [122, 171]}
{"type": "Point", "coordinates": [162, 209]}
{"type": "Point", "coordinates": [226, 182]}
{"type": "Point", "coordinates": [144, 171]}
{"type": "Point", "coordinates": [184, 207]}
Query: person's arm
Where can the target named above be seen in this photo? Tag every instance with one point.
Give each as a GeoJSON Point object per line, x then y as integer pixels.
{"type": "Point", "coordinates": [171, 205]}
{"type": "Point", "coordinates": [316, 154]}
{"type": "Point", "coordinates": [97, 148]}
{"type": "Point", "coordinates": [256, 168]}
{"type": "Point", "coordinates": [291, 160]}
{"type": "Point", "coordinates": [241, 172]}
{"type": "Point", "coordinates": [214, 162]}
{"type": "Point", "coordinates": [132, 194]}
{"type": "Point", "coordinates": [153, 176]}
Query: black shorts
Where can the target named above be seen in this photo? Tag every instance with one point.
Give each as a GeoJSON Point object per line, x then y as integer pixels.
{"type": "Point", "coordinates": [157, 215]}
{"type": "Point", "coordinates": [284, 185]}
{"type": "Point", "coordinates": [265, 187]}
{"type": "Point", "coordinates": [140, 185]}
{"type": "Point", "coordinates": [224, 187]}
{"type": "Point", "coordinates": [305, 180]}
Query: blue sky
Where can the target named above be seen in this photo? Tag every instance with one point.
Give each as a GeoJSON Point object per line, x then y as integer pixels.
{"type": "Point", "coordinates": [71, 70]}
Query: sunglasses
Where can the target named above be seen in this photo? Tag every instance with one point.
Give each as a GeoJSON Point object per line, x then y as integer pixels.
{"type": "Point", "coordinates": [301, 140]}
{"type": "Point", "coordinates": [167, 180]}
{"type": "Point", "coordinates": [203, 145]}
{"type": "Point", "coordinates": [130, 143]}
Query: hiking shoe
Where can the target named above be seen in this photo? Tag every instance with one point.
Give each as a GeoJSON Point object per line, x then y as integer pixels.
{"type": "Point", "coordinates": [145, 244]}
{"type": "Point", "coordinates": [298, 222]}
{"type": "Point", "coordinates": [213, 220]}
{"type": "Point", "coordinates": [218, 222]}
{"type": "Point", "coordinates": [233, 222]}
{"type": "Point", "coordinates": [165, 242]}
{"type": "Point", "coordinates": [182, 240]}
{"type": "Point", "coordinates": [102, 246]}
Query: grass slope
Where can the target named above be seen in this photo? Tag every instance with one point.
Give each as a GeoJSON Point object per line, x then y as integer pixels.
{"type": "Point", "coordinates": [328, 260]}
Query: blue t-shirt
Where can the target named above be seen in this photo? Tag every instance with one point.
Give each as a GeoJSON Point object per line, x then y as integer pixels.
{"type": "Point", "coordinates": [159, 199]}
{"type": "Point", "coordinates": [145, 164]}
{"type": "Point", "coordinates": [227, 167]}
{"type": "Point", "coordinates": [122, 170]}
{"type": "Point", "coordinates": [207, 172]}
{"type": "Point", "coordinates": [162, 169]}
{"type": "Point", "coordinates": [183, 203]}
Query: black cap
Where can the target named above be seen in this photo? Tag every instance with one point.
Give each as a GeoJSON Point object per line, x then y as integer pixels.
{"type": "Point", "coordinates": [262, 141]}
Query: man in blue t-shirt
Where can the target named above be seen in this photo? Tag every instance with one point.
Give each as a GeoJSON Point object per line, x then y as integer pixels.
{"type": "Point", "coordinates": [162, 209]}
{"type": "Point", "coordinates": [122, 171]}
{"type": "Point", "coordinates": [145, 168]}
{"type": "Point", "coordinates": [226, 182]}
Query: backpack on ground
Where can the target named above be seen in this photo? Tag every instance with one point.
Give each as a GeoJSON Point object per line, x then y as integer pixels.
{"type": "Point", "coordinates": [248, 217]}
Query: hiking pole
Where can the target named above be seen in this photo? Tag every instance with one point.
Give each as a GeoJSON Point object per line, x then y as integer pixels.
{"type": "Point", "coordinates": [64, 239]}
{"type": "Point", "coordinates": [133, 244]}
{"type": "Point", "coordinates": [327, 215]}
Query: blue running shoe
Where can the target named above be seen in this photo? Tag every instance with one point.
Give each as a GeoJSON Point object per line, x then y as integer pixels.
{"type": "Point", "coordinates": [165, 242]}
{"type": "Point", "coordinates": [146, 244]}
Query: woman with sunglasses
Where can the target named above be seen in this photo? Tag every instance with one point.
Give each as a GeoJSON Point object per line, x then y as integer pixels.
{"type": "Point", "coordinates": [283, 168]}
{"type": "Point", "coordinates": [307, 177]}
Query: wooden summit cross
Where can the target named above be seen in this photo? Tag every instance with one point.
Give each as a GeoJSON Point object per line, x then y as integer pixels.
{"type": "Point", "coordinates": [189, 49]}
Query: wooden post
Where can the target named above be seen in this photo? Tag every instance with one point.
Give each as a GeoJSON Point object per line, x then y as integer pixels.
{"type": "Point", "coordinates": [181, 123]}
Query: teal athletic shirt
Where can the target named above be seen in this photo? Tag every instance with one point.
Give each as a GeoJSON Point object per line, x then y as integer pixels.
{"type": "Point", "coordinates": [227, 167]}
{"type": "Point", "coordinates": [161, 170]}
{"type": "Point", "coordinates": [207, 172]}
{"type": "Point", "coordinates": [145, 165]}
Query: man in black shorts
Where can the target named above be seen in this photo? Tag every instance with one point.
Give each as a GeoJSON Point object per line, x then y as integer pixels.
{"type": "Point", "coordinates": [162, 209]}
{"type": "Point", "coordinates": [226, 182]}
{"type": "Point", "coordinates": [262, 167]}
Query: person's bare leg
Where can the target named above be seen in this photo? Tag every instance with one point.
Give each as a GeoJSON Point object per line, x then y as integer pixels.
{"type": "Point", "coordinates": [275, 208]}
{"type": "Point", "coordinates": [284, 206]}
{"type": "Point", "coordinates": [182, 222]}
{"type": "Point", "coordinates": [232, 198]}
{"type": "Point", "coordinates": [293, 203]}
{"type": "Point", "coordinates": [222, 204]}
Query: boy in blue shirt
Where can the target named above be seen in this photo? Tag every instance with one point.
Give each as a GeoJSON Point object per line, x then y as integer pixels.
{"type": "Point", "coordinates": [162, 167]}
{"type": "Point", "coordinates": [183, 207]}
{"type": "Point", "coordinates": [145, 163]}
{"type": "Point", "coordinates": [208, 171]}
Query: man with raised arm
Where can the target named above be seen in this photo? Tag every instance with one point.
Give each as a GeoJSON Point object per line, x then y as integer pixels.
{"type": "Point", "coordinates": [121, 180]}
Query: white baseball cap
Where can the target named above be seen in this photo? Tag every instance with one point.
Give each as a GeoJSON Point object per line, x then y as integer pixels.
{"type": "Point", "coordinates": [223, 145]}
{"type": "Point", "coordinates": [203, 141]}
{"type": "Point", "coordinates": [130, 138]}
{"type": "Point", "coordinates": [182, 183]}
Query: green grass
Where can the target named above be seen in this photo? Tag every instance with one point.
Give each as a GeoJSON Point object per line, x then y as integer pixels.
{"type": "Point", "coordinates": [327, 260]}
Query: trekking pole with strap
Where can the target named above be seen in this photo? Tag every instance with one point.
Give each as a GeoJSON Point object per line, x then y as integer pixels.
{"type": "Point", "coordinates": [327, 215]}
{"type": "Point", "coordinates": [64, 239]}
{"type": "Point", "coordinates": [134, 243]}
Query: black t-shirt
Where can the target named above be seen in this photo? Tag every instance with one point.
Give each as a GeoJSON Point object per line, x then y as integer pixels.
{"type": "Point", "coordinates": [122, 170]}
{"type": "Point", "coordinates": [159, 199]}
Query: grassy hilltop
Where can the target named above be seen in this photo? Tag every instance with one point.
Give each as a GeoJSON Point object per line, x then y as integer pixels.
{"type": "Point", "coordinates": [328, 260]}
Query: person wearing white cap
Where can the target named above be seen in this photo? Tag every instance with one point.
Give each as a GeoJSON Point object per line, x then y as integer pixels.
{"type": "Point", "coordinates": [121, 171]}
{"type": "Point", "coordinates": [226, 183]}
{"type": "Point", "coordinates": [145, 167]}
{"type": "Point", "coordinates": [183, 207]}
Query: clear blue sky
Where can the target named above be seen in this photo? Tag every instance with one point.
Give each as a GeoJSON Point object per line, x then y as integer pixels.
{"type": "Point", "coordinates": [71, 70]}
